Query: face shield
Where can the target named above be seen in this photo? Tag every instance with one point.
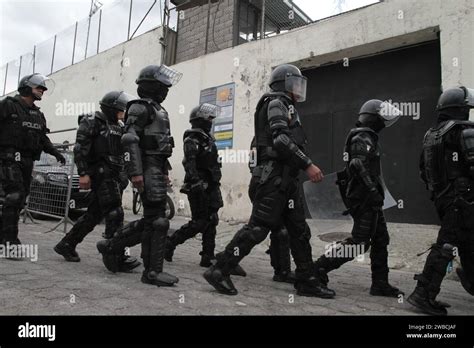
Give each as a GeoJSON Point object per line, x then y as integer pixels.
{"type": "Point", "coordinates": [208, 111]}
{"type": "Point", "coordinates": [296, 85]}
{"type": "Point", "coordinates": [469, 92]}
{"type": "Point", "coordinates": [168, 76]}
{"type": "Point", "coordinates": [41, 81]}
{"type": "Point", "coordinates": [389, 113]}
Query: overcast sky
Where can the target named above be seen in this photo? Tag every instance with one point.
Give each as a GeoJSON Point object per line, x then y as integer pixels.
{"type": "Point", "coordinates": [24, 23]}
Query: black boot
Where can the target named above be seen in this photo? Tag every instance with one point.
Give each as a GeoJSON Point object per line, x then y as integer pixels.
{"type": "Point", "coordinates": [156, 276]}
{"type": "Point", "coordinates": [238, 271]}
{"type": "Point", "coordinates": [466, 284]}
{"type": "Point", "coordinates": [311, 287]}
{"type": "Point", "coordinates": [421, 300]}
{"type": "Point", "coordinates": [169, 249]}
{"type": "Point", "coordinates": [383, 288]}
{"type": "Point", "coordinates": [110, 259]}
{"type": "Point", "coordinates": [128, 263]}
{"type": "Point", "coordinates": [68, 251]}
{"type": "Point", "coordinates": [220, 281]}
{"type": "Point", "coordinates": [285, 277]}
{"type": "Point", "coordinates": [206, 260]}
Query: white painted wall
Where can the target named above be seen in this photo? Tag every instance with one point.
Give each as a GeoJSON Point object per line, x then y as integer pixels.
{"type": "Point", "coordinates": [373, 29]}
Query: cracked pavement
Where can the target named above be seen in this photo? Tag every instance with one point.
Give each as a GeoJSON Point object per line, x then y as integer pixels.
{"type": "Point", "coordinates": [52, 286]}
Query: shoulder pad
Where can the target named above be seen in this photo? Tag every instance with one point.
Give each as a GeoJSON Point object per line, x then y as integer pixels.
{"type": "Point", "coordinates": [137, 108]}
{"type": "Point", "coordinates": [195, 132]}
{"type": "Point", "coordinates": [276, 104]}
{"type": "Point", "coordinates": [86, 118]}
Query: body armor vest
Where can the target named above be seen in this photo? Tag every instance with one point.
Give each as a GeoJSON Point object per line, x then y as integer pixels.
{"type": "Point", "coordinates": [207, 160]}
{"type": "Point", "coordinates": [156, 139]}
{"type": "Point", "coordinates": [22, 128]}
{"type": "Point", "coordinates": [443, 161]}
{"type": "Point", "coordinates": [263, 139]}
{"type": "Point", "coordinates": [107, 145]}
{"type": "Point", "coordinates": [371, 151]}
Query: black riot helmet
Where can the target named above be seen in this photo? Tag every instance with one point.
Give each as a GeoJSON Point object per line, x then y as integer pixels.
{"type": "Point", "coordinates": [377, 114]}
{"type": "Point", "coordinates": [34, 81]}
{"type": "Point", "coordinates": [455, 103]}
{"type": "Point", "coordinates": [288, 78]}
{"type": "Point", "coordinates": [154, 81]}
{"type": "Point", "coordinates": [202, 116]}
{"type": "Point", "coordinates": [113, 102]}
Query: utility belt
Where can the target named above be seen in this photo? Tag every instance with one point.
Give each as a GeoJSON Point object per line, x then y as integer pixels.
{"type": "Point", "coordinates": [271, 169]}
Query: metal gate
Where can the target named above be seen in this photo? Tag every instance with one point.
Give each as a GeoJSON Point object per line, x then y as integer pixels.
{"type": "Point", "coordinates": [335, 95]}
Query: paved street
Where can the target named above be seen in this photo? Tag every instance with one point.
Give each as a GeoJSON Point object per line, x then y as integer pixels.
{"type": "Point", "coordinates": [51, 286]}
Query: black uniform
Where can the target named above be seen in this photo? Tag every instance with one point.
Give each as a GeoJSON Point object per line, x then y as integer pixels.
{"type": "Point", "coordinates": [23, 136]}
{"type": "Point", "coordinates": [97, 153]}
{"type": "Point", "coordinates": [202, 186]}
{"type": "Point", "coordinates": [280, 157]}
{"type": "Point", "coordinates": [279, 249]}
{"type": "Point", "coordinates": [147, 144]}
{"type": "Point", "coordinates": [362, 187]}
{"type": "Point", "coordinates": [447, 168]}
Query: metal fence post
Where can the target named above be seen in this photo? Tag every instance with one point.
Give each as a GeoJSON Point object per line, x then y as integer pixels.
{"type": "Point", "coordinates": [5, 82]}
{"type": "Point", "coordinates": [34, 58]}
{"type": "Point", "coordinates": [262, 32]}
{"type": "Point", "coordinates": [129, 20]}
{"type": "Point", "coordinates": [98, 31]}
{"type": "Point", "coordinates": [54, 51]}
{"type": "Point", "coordinates": [19, 69]}
{"type": "Point", "coordinates": [74, 44]}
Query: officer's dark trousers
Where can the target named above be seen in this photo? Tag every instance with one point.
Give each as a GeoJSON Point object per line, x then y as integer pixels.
{"type": "Point", "coordinates": [369, 231]}
{"type": "Point", "coordinates": [279, 240]}
{"type": "Point", "coordinates": [204, 207]}
{"type": "Point", "coordinates": [276, 203]}
{"type": "Point", "coordinates": [15, 178]}
{"type": "Point", "coordinates": [106, 203]}
{"type": "Point", "coordinates": [455, 238]}
{"type": "Point", "coordinates": [156, 224]}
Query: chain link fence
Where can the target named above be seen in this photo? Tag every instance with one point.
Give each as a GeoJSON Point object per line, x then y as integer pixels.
{"type": "Point", "coordinates": [104, 28]}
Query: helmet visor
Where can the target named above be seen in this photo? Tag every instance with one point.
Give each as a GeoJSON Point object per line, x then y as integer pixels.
{"type": "Point", "coordinates": [168, 76]}
{"type": "Point", "coordinates": [122, 101]}
{"type": "Point", "coordinates": [38, 80]}
{"type": "Point", "coordinates": [296, 85]}
{"type": "Point", "coordinates": [389, 113]}
{"type": "Point", "coordinates": [208, 111]}
{"type": "Point", "coordinates": [469, 97]}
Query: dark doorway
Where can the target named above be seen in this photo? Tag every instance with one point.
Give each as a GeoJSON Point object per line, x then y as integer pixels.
{"type": "Point", "coordinates": [335, 95]}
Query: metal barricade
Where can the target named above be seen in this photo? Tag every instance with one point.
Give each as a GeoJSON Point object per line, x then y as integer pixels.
{"type": "Point", "coordinates": [52, 188]}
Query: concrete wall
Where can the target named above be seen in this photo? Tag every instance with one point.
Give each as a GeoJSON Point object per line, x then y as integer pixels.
{"type": "Point", "coordinates": [365, 31]}
{"type": "Point", "coordinates": [192, 24]}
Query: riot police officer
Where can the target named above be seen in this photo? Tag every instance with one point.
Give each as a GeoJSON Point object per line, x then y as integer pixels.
{"type": "Point", "coordinates": [447, 168]}
{"type": "Point", "coordinates": [23, 136]}
{"type": "Point", "coordinates": [280, 157]}
{"type": "Point", "coordinates": [362, 187]}
{"type": "Point", "coordinates": [148, 144]}
{"type": "Point", "coordinates": [201, 184]}
{"type": "Point", "coordinates": [279, 249]}
{"type": "Point", "coordinates": [98, 155]}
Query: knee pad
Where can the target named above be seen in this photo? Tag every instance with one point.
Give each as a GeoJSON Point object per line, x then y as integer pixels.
{"type": "Point", "coordinates": [109, 194]}
{"type": "Point", "coordinates": [115, 214]}
{"type": "Point", "coordinates": [214, 219]}
{"type": "Point", "coordinates": [161, 224]}
{"type": "Point", "coordinates": [14, 199]}
{"type": "Point", "coordinates": [256, 234]}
